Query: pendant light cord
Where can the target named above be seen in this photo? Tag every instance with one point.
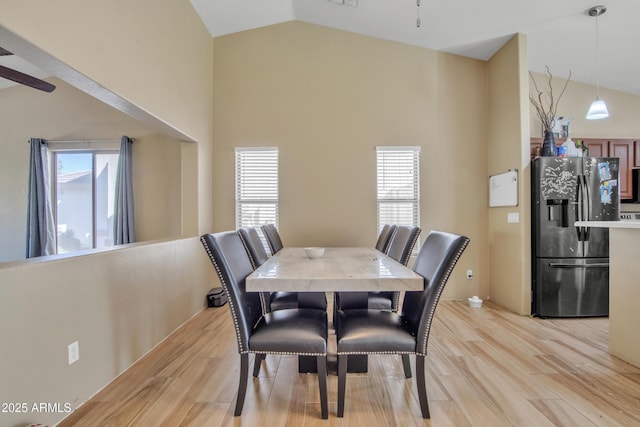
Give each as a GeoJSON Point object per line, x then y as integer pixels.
{"type": "Point", "coordinates": [598, 109]}
{"type": "Point", "coordinates": [597, 60]}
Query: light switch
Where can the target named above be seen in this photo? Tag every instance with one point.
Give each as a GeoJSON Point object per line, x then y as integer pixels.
{"type": "Point", "coordinates": [513, 217]}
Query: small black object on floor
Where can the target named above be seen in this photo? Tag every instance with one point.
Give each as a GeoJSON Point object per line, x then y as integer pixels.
{"type": "Point", "coordinates": [216, 297]}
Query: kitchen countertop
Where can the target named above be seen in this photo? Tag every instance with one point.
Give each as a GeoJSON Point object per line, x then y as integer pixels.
{"type": "Point", "coordinates": [609, 224]}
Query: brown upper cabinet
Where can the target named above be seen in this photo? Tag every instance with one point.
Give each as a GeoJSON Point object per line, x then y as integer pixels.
{"type": "Point", "coordinates": [623, 149]}
{"type": "Point", "coordinates": [627, 150]}
{"type": "Point", "coordinates": [597, 147]}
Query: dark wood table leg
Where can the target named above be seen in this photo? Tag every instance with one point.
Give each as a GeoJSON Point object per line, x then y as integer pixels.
{"type": "Point", "coordinates": [307, 364]}
{"type": "Point", "coordinates": [357, 363]}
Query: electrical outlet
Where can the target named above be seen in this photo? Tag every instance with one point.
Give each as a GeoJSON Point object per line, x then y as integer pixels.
{"type": "Point", "coordinates": [469, 274]}
{"type": "Point", "coordinates": [74, 352]}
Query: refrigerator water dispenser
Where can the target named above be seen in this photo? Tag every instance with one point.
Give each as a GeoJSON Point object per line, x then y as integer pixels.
{"type": "Point", "coordinates": [558, 211]}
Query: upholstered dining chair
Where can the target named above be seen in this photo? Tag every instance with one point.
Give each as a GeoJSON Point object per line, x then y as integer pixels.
{"type": "Point", "coordinates": [385, 237]}
{"type": "Point", "coordinates": [400, 246]}
{"type": "Point", "coordinates": [253, 245]}
{"type": "Point", "coordinates": [402, 243]}
{"type": "Point", "coordinates": [273, 237]}
{"type": "Point", "coordinates": [292, 331]}
{"type": "Point", "coordinates": [365, 331]}
{"type": "Point", "coordinates": [272, 301]}
{"type": "Point", "coordinates": [282, 300]}
{"type": "Point", "coordinates": [257, 255]}
{"type": "Point", "coordinates": [382, 243]}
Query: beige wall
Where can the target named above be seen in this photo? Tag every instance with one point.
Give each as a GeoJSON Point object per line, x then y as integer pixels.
{"type": "Point", "coordinates": [508, 149]}
{"type": "Point", "coordinates": [117, 304]}
{"type": "Point", "coordinates": [70, 114]}
{"type": "Point", "coordinates": [157, 170]}
{"type": "Point", "coordinates": [327, 98]}
{"type": "Point", "coordinates": [153, 57]}
{"type": "Point", "coordinates": [624, 110]}
{"type": "Point", "coordinates": [157, 56]}
{"type": "Point", "coordinates": [139, 50]}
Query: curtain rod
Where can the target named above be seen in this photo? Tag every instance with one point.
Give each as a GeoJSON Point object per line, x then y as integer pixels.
{"type": "Point", "coordinates": [85, 141]}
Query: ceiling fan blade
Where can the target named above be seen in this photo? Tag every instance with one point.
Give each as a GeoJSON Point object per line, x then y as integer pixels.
{"type": "Point", "coordinates": [25, 79]}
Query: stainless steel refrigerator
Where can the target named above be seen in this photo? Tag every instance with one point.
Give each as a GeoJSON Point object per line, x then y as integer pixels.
{"type": "Point", "coordinates": [570, 269]}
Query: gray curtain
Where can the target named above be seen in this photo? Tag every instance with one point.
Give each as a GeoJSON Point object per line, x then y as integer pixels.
{"type": "Point", "coordinates": [123, 224]}
{"type": "Point", "coordinates": [40, 225]}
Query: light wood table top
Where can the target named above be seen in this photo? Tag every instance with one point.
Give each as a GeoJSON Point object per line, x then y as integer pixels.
{"type": "Point", "coordinates": [340, 269]}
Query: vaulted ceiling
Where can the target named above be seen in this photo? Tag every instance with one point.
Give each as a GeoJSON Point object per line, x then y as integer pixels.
{"type": "Point", "coordinates": [560, 33]}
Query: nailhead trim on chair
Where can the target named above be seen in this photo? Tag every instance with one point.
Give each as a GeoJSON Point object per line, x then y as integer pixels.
{"type": "Point", "coordinates": [395, 304]}
{"type": "Point", "coordinates": [246, 248]}
{"type": "Point", "coordinates": [242, 350]}
{"type": "Point", "coordinates": [413, 243]}
{"type": "Point", "coordinates": [423, 350]}
{"type": "Point", "coordinates": [285, 353]}
{"type": "Point", "coordinates": [263, 301]}
{"type": "Point", "coordinates": [232, 307]}
{"type": "Point", "coordinates": [375, 352]}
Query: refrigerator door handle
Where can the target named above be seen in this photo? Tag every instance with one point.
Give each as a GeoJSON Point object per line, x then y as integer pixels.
{"type": "Point", "coordinates": [567, 265]}
{"type": "Point", "coordinates": [587, 207]}
{"type": "Point", "coordinates": [580, 208]}
{"type": "Point", "coordinates": [586, 198]}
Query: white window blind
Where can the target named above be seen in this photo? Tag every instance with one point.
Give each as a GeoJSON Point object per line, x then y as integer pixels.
{"type": "Point", "coordinates": [256, 186]}
{"type": "Point", "coordinates": [398, 170]}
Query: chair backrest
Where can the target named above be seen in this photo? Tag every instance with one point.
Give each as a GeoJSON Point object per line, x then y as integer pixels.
{"type": "Point", "coordinates": [402, 242]}
{"type": "Point", "coordinates": [253, 244]}
{"type": "Point", "coordinates": [273, 237]}
{"type": "Point", "coordinates": [232, 265]}
{"type": "Point", "coordinates": [436, 259]}
{"type": "Point", "coordinates": [385, 237]}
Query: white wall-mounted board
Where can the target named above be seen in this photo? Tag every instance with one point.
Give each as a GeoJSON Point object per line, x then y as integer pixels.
{"type": "Point", "coordinates": [503, 189]}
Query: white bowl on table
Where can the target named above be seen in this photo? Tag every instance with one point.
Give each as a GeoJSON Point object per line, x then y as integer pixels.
{"type": "Point", "coordinates": [314, 252]}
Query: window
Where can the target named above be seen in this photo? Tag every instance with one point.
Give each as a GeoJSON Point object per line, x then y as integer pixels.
{"type": "Point", "coordinates": [83, 198]}
{"type": "Point", "coordinates": [398, 170]}
{"type": "Point", "coordinates": [256, 186]}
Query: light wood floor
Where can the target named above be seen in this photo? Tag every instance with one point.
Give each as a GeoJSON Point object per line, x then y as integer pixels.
{"type": "Point", "coordinates": [486, 367]}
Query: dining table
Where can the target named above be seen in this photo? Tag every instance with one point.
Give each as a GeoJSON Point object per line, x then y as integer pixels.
{"type": "Point", "coordinates": [357, 270]}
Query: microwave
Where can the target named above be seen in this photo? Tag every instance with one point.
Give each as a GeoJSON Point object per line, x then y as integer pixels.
{"type": "Point", "coordinates": [635, 185]}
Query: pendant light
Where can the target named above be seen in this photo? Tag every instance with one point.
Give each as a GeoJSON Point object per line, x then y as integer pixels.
{"type": "Point", "coordinates": [598, 109]}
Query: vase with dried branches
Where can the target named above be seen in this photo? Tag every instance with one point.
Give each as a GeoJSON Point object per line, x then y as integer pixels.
{"type": "Point", "coordinates": [546, 106]}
